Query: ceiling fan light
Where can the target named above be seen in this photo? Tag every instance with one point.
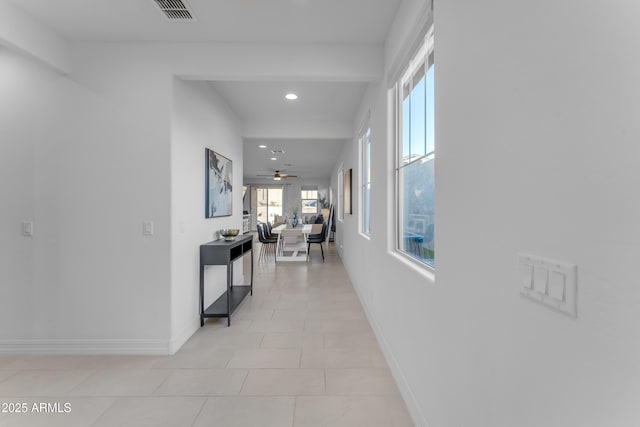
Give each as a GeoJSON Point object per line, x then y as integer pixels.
{"type": "Point", "coordinates": [277, 178]}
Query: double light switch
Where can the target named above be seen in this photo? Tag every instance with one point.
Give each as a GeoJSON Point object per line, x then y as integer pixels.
{"type": "Point", "coordinates": [552, 283]}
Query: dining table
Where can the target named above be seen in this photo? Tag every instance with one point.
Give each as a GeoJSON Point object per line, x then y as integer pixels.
{"type": "Point", "coordinates": [292, 242]}
{"type": "Point", "coordinates": [304, 228]}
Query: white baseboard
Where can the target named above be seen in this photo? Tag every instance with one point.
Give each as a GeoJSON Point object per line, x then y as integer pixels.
{"type": "Point", "coordinates": [182, 337]}
{"type": "Point", "coordinates": [405, 391]}
{"type": "Point", "coordinates": [88, 346]}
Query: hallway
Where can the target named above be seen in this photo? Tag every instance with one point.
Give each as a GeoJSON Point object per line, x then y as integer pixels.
{"type": "Point", "coordinates": [299, 352]}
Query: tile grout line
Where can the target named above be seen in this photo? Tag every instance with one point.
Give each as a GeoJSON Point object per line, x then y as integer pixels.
{"type": "Point", "coordinates": [295, 407]}
{"type": "Point", "coordinates": [206, 399]}
{"type": "Point", "coordinates": [104, 411]}
{"type": "Point", "coordinates": [153, 393]}
{"type": "Point", "coordinates": [244, 380]}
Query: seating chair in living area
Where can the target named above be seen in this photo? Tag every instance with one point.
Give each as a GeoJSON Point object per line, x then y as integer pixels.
{"type": "Point", "coordinates": [278, 220]}
{"type": "Point", "coordinates": [267, 242]}
{"type": "Point", "coordinates": [317, 238]}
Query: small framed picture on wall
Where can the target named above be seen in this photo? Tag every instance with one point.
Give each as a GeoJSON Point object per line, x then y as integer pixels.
{"type": "Point", "coordinates": [347, 192]}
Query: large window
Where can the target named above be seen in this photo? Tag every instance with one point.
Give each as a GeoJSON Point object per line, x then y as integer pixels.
{"type": "Point", "coordinates": [365, 180]}
{"type": "Point", "coordinates": [269, 204]}
{"type": "Point", "coordinates": [416, 156]}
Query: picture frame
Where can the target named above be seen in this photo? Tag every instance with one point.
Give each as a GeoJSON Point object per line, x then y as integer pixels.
{"type": "Point", "coordinates": [218, 185]}
{"type": "Point", "coordinates": [347, 192]}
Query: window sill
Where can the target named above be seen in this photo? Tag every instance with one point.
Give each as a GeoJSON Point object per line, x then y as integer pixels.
{"type": "Point", "coordinates": [421, 269]}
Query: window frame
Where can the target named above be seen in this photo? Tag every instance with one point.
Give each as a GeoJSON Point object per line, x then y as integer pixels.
{"type": "Point", "coordinates": [423, 58]}
{"type": "Point", "coordinates": [340, 201]}
{"type": "Point", "coordinates": [364, 142]}
{"type": "Point", "coordinates": [303, 199]}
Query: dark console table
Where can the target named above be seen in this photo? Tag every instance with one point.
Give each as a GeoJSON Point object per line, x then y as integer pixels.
{"type": "Point", "coordinates": [220, 252]}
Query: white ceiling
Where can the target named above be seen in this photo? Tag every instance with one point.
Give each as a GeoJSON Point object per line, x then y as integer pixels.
{"type": "Point", "coordinates": [329, 101]}
{"type": "Point", "coordinates": [247, 21]}
{"type": "Point", "coordinates": [265, 21]}
{"type": "Point", "coordinates": [306, 158]}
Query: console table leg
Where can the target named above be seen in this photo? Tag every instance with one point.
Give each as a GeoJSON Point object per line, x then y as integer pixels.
{"type": "Point", "coordinates": [201, 295]}
{"type": "Point", "coordinates": [229, 287]}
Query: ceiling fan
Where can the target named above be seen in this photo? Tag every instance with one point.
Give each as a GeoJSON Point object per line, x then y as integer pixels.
{"type": "Point", "coordinates": [277, 176]}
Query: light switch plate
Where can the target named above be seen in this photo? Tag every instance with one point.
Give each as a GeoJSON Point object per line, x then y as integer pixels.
{"type": "Point", "coordinates": [27, 228]}
{"type": "Point", "coordinates": [147, 228]}
{"type": "Point", "coordinates": [552, 283]}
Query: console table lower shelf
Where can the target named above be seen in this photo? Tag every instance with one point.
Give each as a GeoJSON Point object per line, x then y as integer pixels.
{"type": "Point", "coordinates": [223, 308]}
{"type": "Point", "coordinates": [220, 252]}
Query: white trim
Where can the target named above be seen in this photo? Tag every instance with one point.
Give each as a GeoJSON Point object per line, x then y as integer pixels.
{"type": "Point", "coordinates": [88, 346]}
{"type": "Point", "coordinates": [414, 39]}
{"type": "Point", "coordinates": [425, 270]}
{"type": "Point", "coordinates": [178, 341]}
{"type": "Point", "coordinates": [420, 57]}
{"type": "Point", "coordinates": [365, 235]}
{"type": "Point", "coordinates": [362, 182]}
{"type": "Point", "coordinates": [366, 122]}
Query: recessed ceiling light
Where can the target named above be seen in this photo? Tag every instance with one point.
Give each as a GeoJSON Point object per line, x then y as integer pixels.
{"type": "Point", "coordinates": [274, 158]}
{"type": "Point", "coordinates": [291, 96]}
{"type": "Point", "coordinates": [262, 146]}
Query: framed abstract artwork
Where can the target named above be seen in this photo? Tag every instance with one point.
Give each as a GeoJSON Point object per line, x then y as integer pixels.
{"type": "Point", "coordinates": [218, 184]}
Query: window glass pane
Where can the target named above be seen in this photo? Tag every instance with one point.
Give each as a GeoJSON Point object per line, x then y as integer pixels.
{"type": "Point", "coordinates": [309, 194]}
{"type": "Point", "coordinates": [262, 204]}
{"type": "Point", "coordinates": [269, 203]}
{"type": "Point", "coordinates": [430, 110]}
{"type": "Point", "coordinates": [275, 203]}
{"type": "Point", "coordinates": [405, 130]}
{"type": "Point", "coordinates": [418, 117]}
{"type": "Point", "coordinates": [416, 210]}
{"type": "Point", "coordinates": [310, 206]}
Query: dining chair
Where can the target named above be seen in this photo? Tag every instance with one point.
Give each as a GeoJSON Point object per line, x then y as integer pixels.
{"type": "Point", "coordinates": [267, 243]}
{"type": "Point", "coordinates": [317, 238]}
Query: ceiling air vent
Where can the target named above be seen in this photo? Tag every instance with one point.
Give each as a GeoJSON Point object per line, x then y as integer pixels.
{"type": "Point", "coordinates": [175, 10]}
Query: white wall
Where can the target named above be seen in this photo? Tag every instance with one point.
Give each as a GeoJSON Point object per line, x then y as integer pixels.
{"type": "Point", "coordinates": [19, 32]}
{"type": "Point", "coordinates": [537, 145]}
{"type": "Point", "coordinates": [20, 87]}
{"type": "Point", "coordinates": [88, 171]}
{"type": "Point", "coordinates": [201, 119]}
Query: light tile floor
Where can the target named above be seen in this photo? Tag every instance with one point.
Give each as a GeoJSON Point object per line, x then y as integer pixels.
{"type": "Point", "coordinates": [299, 353]}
